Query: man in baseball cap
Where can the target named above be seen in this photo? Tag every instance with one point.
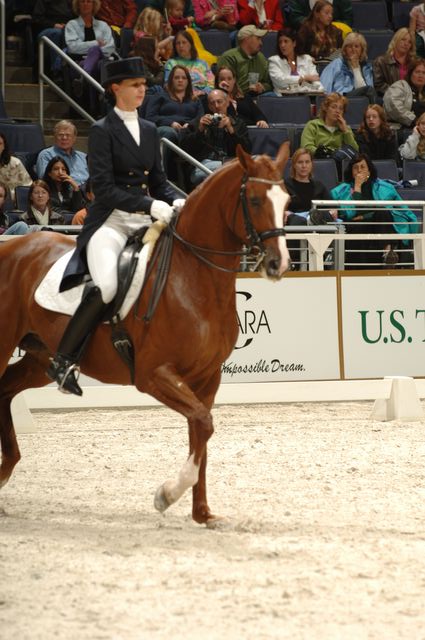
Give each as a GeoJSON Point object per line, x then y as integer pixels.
{"type": "Point", "coordinates": [247, 62]}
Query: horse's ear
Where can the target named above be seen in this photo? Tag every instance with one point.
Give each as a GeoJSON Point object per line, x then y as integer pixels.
{"type": "Point", "coordinates": [282, 156]}
{"type": "Point", "coordinates": [244, 158]}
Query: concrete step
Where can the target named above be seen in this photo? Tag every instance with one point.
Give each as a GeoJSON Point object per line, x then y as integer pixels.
{"type": "Point", "coordinates": [29, 109]}
{"type": "Point", "coordinates": [18, 74]}
{"type": "Point", "coordinates": [27, 92]}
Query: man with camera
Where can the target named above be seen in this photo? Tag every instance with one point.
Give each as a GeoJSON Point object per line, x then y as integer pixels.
{"type": "Point", "coordinates": [215, 136]}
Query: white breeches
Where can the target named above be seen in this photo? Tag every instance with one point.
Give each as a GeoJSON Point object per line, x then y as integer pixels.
{"type": "Point", "coordinates": [106, 244]}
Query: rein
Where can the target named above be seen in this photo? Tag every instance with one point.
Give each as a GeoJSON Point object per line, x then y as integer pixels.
{"type": "Point", "coordinates": [256, 239]}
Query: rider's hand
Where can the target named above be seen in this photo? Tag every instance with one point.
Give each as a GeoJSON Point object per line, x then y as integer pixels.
{"type": "Point", "coordinates": [161, 211]}
{"type": "Point", "coordinates": [178, 204]}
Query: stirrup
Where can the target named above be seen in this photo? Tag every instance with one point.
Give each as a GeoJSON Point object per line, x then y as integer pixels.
{"type": "Point", "coordinates": [64, 374]}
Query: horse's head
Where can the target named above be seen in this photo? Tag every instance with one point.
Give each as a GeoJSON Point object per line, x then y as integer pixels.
{"type": "Point", "coordinates": [263, 201]}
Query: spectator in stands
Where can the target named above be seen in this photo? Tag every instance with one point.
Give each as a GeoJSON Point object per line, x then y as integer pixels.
{"type": "Point", "coordinates": [12, 171]}
{"type": "Point", "coordinates": [414, 147]}
{"type": "Point", "coordinates": [243, 106]}
{"type": "Point", "coordinates": [374, 136]}
{"type": "Point", "coordinates": [247, 62]}
{"type": "Point", "coordinates": [265, 14]}
{"type": "Point", "coordinates": [81, 215]}
{"type": "Point", "coordinates": [175, 11]}
{"type": "Point", "coordinates": [147, 49]}
{"type": "Point", "coordinates": [16, 229]}
{"type": "Point", "coordinates": [317, 36]}
{"type": "Point", "coordinates": [394, 64]}
{"type": "Point", "coordinates": [404, 100]}
{"type": "Point", "coordinates": [300, 9]}
{"type": "Point", "coordinates": [185, 54]}
{"type": "Point", "coordinates": [49, 19]}
{"type": "Point", "coordinates": [216, 14]}
{"type": "Point", "coordinates": [173, 109]}
{"type": "Point", "coordinates": [290, 71]}
{"type": "Point", "coordinates": [159, 5]}
{"type": "Point", "coordinates": [151, 23]}
{"type": "Point", "coordinates": [362, 183]}
{"type": "Point", "coordinates": [417, 28]}
{"type": "Point", "coordinates": [39, 211]}
{"type": "Point", "coordinates": [118, 14]}
{"type": "Point", "coordinates": [303, 188]}
{"type": "Point", "coordinates": [65, 135]}
{"type": "Point", "coordinates": [216, 135]}
{"type": "Point", "coordinates": [66, 197]}
{"type": "Point", "coordinates": [329, 132]}
{"type": "Point", "coordinates": [89, 41]}
{"type": "Point", "coordinates": [351, 74]}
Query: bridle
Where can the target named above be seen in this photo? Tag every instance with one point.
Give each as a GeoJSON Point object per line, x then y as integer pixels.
{"type": "Point", "coordinates": [255, 239]}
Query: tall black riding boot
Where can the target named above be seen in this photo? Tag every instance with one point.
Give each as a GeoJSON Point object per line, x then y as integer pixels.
{"type": "Point", "coordinates": [71, 347]}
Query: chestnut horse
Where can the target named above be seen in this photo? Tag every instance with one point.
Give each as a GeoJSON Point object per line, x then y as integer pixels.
{"type": "Point", "coordinates": [194, 329]}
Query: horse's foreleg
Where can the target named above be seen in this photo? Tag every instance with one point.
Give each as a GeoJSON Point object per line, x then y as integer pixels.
{"type": "Point", "coordinates": [28, 372]}
{"type": "Point", "coordinates": [168, 387]}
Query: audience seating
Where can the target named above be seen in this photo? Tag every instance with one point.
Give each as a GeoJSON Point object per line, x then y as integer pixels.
{"type": "Point", "coordinates": [21, 197]}
{"type": "Point", "coordinates": [414, 170]}
{"type": "Point", "coordinates": [269, 44]}
{"type": "Point", "coordinates": [414, 194]}
{"type": "Point", "coordinates": [401, 11]}
{"type": "Point", "coordinates": [215, 41]}
{"type": "Point", "coordinates": [267, 140]}
{"type": "Point", "coordinates": [355, 109]}
{"type": "Point", "coordinates": [286, 110]}
{"type": "Point", "coordinates": [370, 15]}
{"type": "Point", "coordinates": [126, 37]}
{"type": "Point", "coordinates": [3, 114]}
{"type": "Point", "coordinates": [21, 136]}
{"type": "Point", "coordinates": [387, 169]}
{"type": "Point", "coordinates": [377, 42]}
{"type": "Point", "coordinates": [323, 170]}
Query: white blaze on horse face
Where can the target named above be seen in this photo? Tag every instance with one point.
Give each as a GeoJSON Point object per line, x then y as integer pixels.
{"type": "Point", "coordinates": [280, 199]}
{"type": "Point", "coordinates": [188, 476]}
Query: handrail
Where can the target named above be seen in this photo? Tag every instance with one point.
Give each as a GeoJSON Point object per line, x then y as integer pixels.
{"type": "Point", "coordinates": [43, 78]}
{"type": "Point", "coordinates": [2, 47]}
{"type": "Point", "coordinates": [183, 154]}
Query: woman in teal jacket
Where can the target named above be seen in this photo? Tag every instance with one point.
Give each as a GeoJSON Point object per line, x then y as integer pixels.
{"type": "Point", "coordinates": [362, 183]}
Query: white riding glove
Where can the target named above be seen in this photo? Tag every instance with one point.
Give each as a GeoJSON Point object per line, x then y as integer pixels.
{"type": "Point", "coordinates": [178, 204]}
{"type": "Point", "coordinates": [161, 211]}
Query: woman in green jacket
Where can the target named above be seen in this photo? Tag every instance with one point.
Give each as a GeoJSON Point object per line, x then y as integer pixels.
{"type": "Point", "coordinates": [329, 131]}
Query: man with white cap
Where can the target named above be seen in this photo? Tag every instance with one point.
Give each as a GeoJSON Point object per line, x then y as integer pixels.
{"type": "Point", "coordinates": [247, 62]}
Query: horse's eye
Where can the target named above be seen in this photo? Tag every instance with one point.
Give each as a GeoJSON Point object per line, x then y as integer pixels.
{"type": "Point", "coordinates": [255, 201]}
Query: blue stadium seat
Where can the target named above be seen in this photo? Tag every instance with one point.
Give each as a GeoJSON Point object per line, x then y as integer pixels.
{"type": "Point", "coordinates": [215, 41]}
{"type": "Point", "coordinates": [286, 109]}
{"type": "Point", "coordinates": [126, 37]}
{"type": "Point", "coordinates": [414, 170]}
{"type": "Point", "coordinates": [377, 42]}
{"type": "Point", "coordinates": [21, 197]}
{"type": "Point", "coordinates": [269, 44]}
{"type": "Point", "coordinates": [323, 170]}
{"type": "Point", "coordinates": [267, 140]}
{"type": "Point", "coordinates": [23, 136]}
{"type": "Point", "coordinates": [401, 11]}
{"type": "Point", "coordinates": [3, 114]}
{"type": "Point", "coordinates": [370, 15]}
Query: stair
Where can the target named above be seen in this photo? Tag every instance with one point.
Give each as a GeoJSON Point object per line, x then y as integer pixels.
{"type": "Point", "coordinates": [21, 101]}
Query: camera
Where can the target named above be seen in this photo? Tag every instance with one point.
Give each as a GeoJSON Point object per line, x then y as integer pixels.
{"type": "Point", "coordinates": [216, 118]}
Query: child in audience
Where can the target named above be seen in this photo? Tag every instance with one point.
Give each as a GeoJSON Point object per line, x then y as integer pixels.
{"type": "Point", "coordinates": [174, 12]}
{"type": "Point", "coordinates": [151, 23]}
{"type": "Point", "coordinates": [414, 147]}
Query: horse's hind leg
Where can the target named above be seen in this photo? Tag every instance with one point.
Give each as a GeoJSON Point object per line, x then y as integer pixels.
{"type": "Point", "coordinates": [168, 387]}
{"type": "Point", "coordinates": [28, 372]}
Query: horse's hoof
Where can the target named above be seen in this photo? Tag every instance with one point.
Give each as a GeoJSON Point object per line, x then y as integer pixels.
{"type": "Point", "coordinates": [219, 523]}
{"type": "Point", "coordinates": [160, 500]}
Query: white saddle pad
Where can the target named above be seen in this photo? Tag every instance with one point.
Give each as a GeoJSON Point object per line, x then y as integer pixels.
{"type": "Point", "coordinates": [48, 296]}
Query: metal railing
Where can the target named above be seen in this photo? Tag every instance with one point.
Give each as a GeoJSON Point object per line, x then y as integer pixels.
{"type": "Point", "coordinates": [2, 46]}
{"type": "Point", "coordinates": [44, 79]}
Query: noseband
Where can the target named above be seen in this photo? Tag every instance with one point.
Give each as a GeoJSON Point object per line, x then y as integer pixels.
{"type": "Point", "coordinates": [255, 239]}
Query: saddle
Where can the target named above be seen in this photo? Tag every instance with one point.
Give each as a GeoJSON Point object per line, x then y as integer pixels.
{"type": "Point", "coordinates": [126, 266]}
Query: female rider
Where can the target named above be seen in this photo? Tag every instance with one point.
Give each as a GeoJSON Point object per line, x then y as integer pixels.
{"type": "Point", "coordinates": [129, 184]}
